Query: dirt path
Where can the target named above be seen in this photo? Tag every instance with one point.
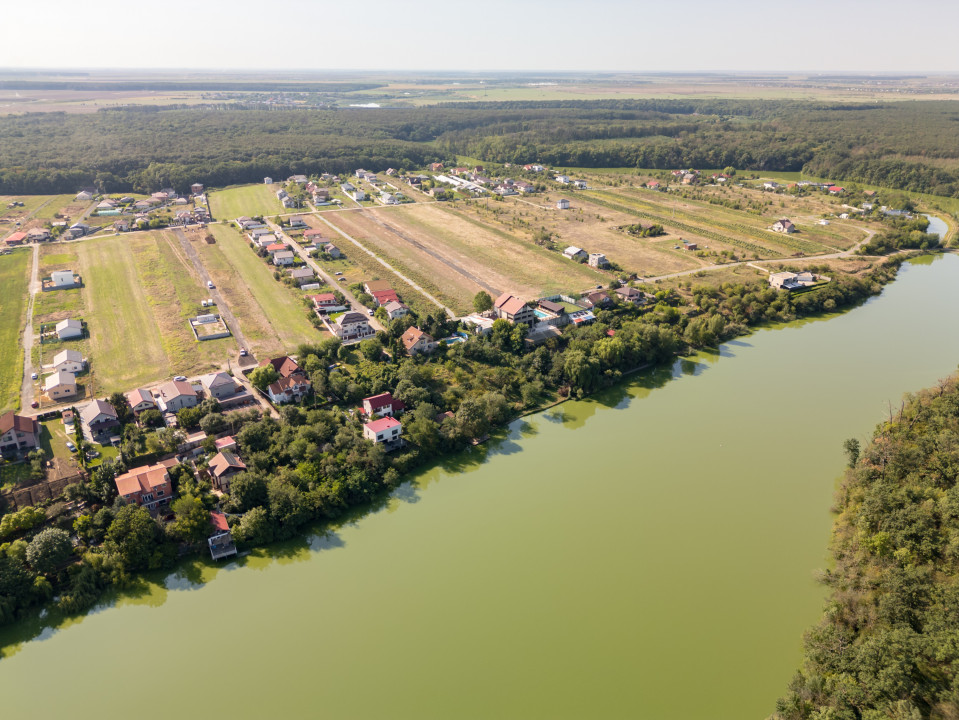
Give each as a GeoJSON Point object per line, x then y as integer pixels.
{"type": "Point", "coordinates": [26, 389]}
{"type": "Point", "coordinates": [221, 306]}
{"type": "Point", "coordinates": [389, 267]}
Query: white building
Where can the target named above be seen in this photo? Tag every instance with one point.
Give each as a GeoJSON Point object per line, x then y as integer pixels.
{"type": "Point", "coordinates": [384, 430]}
{"type": "Point", "coordinates": [69, 329]}
{"type": "Point", "coordinates": [62, 278]}
{"type": "Point", "coordinates": [60, 384]}
{"type": "Point", "coordinates": [69, 360]}
{"type": "Point", "coordinates": [562, 204]}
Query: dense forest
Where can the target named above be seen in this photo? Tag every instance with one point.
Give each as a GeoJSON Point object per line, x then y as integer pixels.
{"type": "Point", "coordinates": [888, 643]}
{"type": "Point", "coordinates": [910, 146]}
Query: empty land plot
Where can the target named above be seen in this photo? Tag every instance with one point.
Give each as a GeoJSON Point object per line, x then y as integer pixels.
{"type": "Point", "coordinates": [31, 204]}
{"type": "Point", "coordinates": [14, 289]}
{"type": "Point", "coordinates": [56, 305]}
{"type": "Point", "coordinates": [596, 229]}
{"type": "Point", "coordinates": [466, 252]}
{"type": "Point", "coordinates": [244, 200]}
{"type": "Point", "coordinates": [271, 315]}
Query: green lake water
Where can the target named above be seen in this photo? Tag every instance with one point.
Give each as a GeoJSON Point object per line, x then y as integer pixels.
{"type": "Point", "coordinates": [648, 553]}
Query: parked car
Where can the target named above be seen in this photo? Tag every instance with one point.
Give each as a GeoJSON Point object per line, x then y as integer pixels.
{"type": "Point", "coordinates": [180, 378]}
{"type": "Point", "coordinates": [370, 312]}
{"type": "Point", "coordinates": [243, 352]}
{"type": "Point", "coordinates": [34, 404]}
{"type": "Point", "coordinates": [34, 376]}
{"type": "Point", "coordinates": [209, 284]}
{"type": "Point", "coordinates": [338, 272]}
{"type": "Point", "coordinates": [71, 447]}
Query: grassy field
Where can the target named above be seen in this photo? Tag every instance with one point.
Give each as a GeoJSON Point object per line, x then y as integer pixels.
{"type": "Point", "coordinates": [14, 285]}
{"type": "Point", "coordinates": [234, 202]}
{"type": "Point", "coordinates": [271, 315]}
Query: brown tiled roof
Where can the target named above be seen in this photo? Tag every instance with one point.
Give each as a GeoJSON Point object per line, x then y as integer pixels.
{"type": "Point", "coordinates": [20, 423]}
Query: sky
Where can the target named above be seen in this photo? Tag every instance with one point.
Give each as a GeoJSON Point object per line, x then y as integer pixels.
{"type": "Point", "coordinates": [547, 35]}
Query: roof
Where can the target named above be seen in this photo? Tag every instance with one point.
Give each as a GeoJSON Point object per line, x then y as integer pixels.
{"type": "Point", "coordinates": [552, 307]}
{"type": "Point", "coordinates": [628, 292]}
{"type": "Point", "coordinates": [219, 522]}
{"type": "Point", "coordinates": [142, 479]}
{"type": "Point", "coordinates": [69, 324]}
{"type": "Point", "coordinates": [413, 335]}
{"type": "Point", "coordinates": [286, 383]}
{"type": "Point", "coordinates": [225, 460]}
{"type": "Point", "coordinates": [20, 423]}
{"type": "Point", "coordinates": [379, 401]}
{"type": "Point", "coordinates": [276, 246]}
{"type": "Point", "coordinates": [284, 255]}
{"type": "Point", "coordinates": [374, 286]}
{"type": "Point", "coordinates": [382, 424]}
{"type": "Point", "coordinates": [216, 379]}
{"type": "Point", "coordinates": [96, 408]}
{"type": "Point", "coordinates": [301, 272]}
{"type": "Point", "coordinates": [139, 396]}
{"type": "Point", "coordinates": [67, 356]}
{"type": "Point", "coordinates": [284, 366]}
{"type": "Point", "coordinates": [324, 298]}
{"type": "Point", "coordinates": [509, 303]}
{"type": "Point", "coordinates": [176, 388]}
{"type": "Point", "coordinates": [60, 377]}
{"type": "Point", "coordinates": [385, 296]}
{"type": "Point", "coordinates": [393, 305]}
{"type": "Point", "coordinates": [225, 442]}
{"type": "Point", "coordinates": [17, 237]}
{"type": "Point", "coordinates": [350, 317]}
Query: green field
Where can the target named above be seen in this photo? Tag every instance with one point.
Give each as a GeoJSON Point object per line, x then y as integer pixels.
{"type": "Point", "coordinates": [250, 200]}
{"type": "Point", "coordinates": [14, 291]}
{"type": "Point", "coordinates": [271, 315]}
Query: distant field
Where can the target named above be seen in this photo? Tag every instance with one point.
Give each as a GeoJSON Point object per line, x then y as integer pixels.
{"type": "Point", "coordinates": [243, 200]}
{"type": "Point", "coordinates": [271, 315]}
{"type": "Point", "coordinates": [14, 285]}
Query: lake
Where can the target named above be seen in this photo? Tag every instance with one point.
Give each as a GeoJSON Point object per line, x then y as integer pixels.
{"type": "Point", "coordinates": [647, 553]}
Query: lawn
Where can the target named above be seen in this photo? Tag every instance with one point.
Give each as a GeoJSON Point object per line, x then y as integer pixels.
{"type": "Point", "coordinates": [250, 200]}
{"type": "Point", "coordinates": [30, 204]}
{"type": "Point", "coordinates": [14, 291]}
{"type": "Point", "coordinates": [271, 315]}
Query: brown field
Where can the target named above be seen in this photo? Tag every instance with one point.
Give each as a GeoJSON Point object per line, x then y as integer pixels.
{"type": "Point", "coordinates": [457, 254]}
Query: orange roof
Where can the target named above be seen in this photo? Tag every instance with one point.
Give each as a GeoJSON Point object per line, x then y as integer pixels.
{"type": "Point", "coordinates": [373, 286]}
{"type": "Point", "coordinates": [509, 304]}
{"type": "Point", "coordinates": [142, 479]}
{"type": "Point", "coordinates": [225, 460]}
{"type": "Point", "coordinates": [218, 520]}
{"type": "Point", "coordinates": [412, 336]}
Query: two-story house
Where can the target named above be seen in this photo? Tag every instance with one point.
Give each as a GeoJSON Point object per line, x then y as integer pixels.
{"type": "Point", "coordinates": [18, 433]}
{"type": "Point", "coordinates": [148, 486]}
{"type": "Point", "coordinates": [385, 430]}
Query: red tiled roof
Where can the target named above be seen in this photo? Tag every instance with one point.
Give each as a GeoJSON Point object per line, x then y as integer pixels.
{"type": "Point", "coordinates": [378, 401]}
{"type": "Point", "coordinates": [275, 246]}
{"type": "Point", "coordinates": [17, 237]}
{"type": "Point", "coordinates": [384, 296]}
{"type": "Point", "coordinates": [509, 304]}
{"type": "Point", "coordinates": [322, 298]}
{"type": "Point", "coordinates": [382, 424]}
{"type": "Point", "coordinates": [225, 442]}
{"type": "Point", "coordinates": [142, 479]}
{"type": "Point", "coordinates": [218, 521]}
{"type": "Point", "coordinates": [20, 423]}
{"type": "Point", "coordinates": [285, 365]}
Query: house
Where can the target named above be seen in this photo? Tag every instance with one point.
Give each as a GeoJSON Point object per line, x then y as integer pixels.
{"type": "Point", "coordinates": [225, 443]}
{"type": "Point", "coordinates": [690, 245]}
{"type": "Point", "coordinates": [436, 167]}
{"type": "Point", "coordinates": [267, 181]}
{"type": "Point", "coordinates": [514, 309]}
{"type": "Point", "coordinates": [283, 258]}
{"type": "Point", "coordinates": [383, 431]}
{"type": "Point", "coordinates": [69, 329]}
{"type": "Point", "coordinates": [222, 468]}
{"type": "Point", "coordinates": [381, 297]}
{"type": "Point", "coordinates": [783, 226]}
{"type": "Point", "coordinates": [16, 238]}
{"type": "Point", "coordinates": [175, 395]}
{"type": "Point", "coordinates": [783, 280]}
{"type": "Point", "coordinates": [141, 400]}
{"type": "Point", "coordinates": [148, 486]}
{"type": "Point", "coordinates": [258, 231]}
{"type": "Point", "coordinates": [276, 247]}
{"type": "Point", "coordinates": [579, 184]}
{"type": "Point", "coordinates": [121, 225]}
{"type": "Point", "coordinates": [63, 279]}
{"type": "Point", "coordinates": [631, 295]}
{"type": "Point", "coordinates": [326, 302]}
{"type": "Point", "coordinates": [85, 195]}
{"type": "Point", "coordinates": [297, 222]}
{"type": "Point", "coordinates": [298, 179]}
{"type": "Point", "coordinates": [196, 188]}
{"type": "Point", "coordinates": [653, 184]}
{"type": "Point", "coordinates": [770, 185]}
{"type": "Point", "coordinates": [18, 433]}
{"type": "Point", "coordinates": [562, 179]}
{"type": "Point", "coordinates": [597, 260]}
{"type": "Point", "coordinates": [220, 540]}
{"type": "Point", "coordinates": [690, 179]}
{"type": "Point", "coordinates": [302, 275]}
{"type": "Point", "coordinates": [98, 417]}
{"type": "Point", "coordinates": [61, 384]}
{"type": "Point", "coordinates": [395, 309]}
{"type": "Point", "coordinates": [562, 204]}
{"type": "Point", "coordinates": [291, 388]}
{"type": "Point", "coordinates": [416, 341]}
{"type": "Point", "coordinates": [313, 235]}
{"type": "Point", "coordinates": [600, 298]}
{"type": "Point", "coordinates": [348, 326]}
{"type": "Point", "coordinates": [219, 385]}
{"type": "Point", "coordinates": [321, 194]}
{"type": "Point", "coordinates": [388, 199]}
{"type": "Point", "coordinates": [70, 361]}
{"type": "Point", "coordinates": [333, 251]}
{"type": "Point", "coordinates": [374, 286]}
{"type": "Point", "coordinates": [285, 366]}
{"type": "Point", "coordinates": [384, 405]}
{"type": "Point", "coordinates": [38, 235]}
{"type": "Point", "coordinates": [836, 190]}
{"type": "Point", "coordinates": [575, 253]}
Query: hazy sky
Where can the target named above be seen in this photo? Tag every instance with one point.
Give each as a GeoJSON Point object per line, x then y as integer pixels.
{"type": "Point", "coordinates": [624, 35]}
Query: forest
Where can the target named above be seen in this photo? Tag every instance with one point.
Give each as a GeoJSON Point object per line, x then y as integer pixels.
{"type": "Point", "coordinates": [888, 643]}
{"type": "Point", "coordinates": [908, 146]}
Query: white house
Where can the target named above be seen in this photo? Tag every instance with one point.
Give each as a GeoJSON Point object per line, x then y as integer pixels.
{"type": "Point", "coordinates": [175, 395]}
{"type": "Point", "coordinates": [283, 258]}
{"type": "Point", "coordinates": [575, 253]}
{"type": "Point", "coordinates": [783, 226]}
{"type": "Point", "coordinates": [395, 309]}
{"type": "Point", "coordinates": [349, 326]}
{"type": "Point", "coordinates": [69, 360]}
{"type": "Point", "coordinates": [267, 181]}
{"type": "Point", "coordinates": [597, 260]}
{"type": "Point", "coordinates": [69, 329]}
{"type": "Point", "coordinates": [384, 430]}
{"type": "Point", "coordinates": [141, 400]}
{"type": "Point", "coordinates": [289, 389]}
{"type": "Point", "coordinates": [580, 184]}
{"type": "Point", "coordinates": [62, 278]}
{"type": "Point", "coordinates": [562, 204]}
{"type": "Point", "coordinates": [563, 179]}
{"type": "Point", "coordinates": [219, 385]}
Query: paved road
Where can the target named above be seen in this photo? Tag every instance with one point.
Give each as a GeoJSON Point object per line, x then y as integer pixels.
{"type": "Point", "coordinates": [26, 390]}
{"type": "Point", "coordinates": [222, 307]}
{"type": "Point", "coordinates": [329, 279]}
{"type": "Point", "coordinates": [389, 267]}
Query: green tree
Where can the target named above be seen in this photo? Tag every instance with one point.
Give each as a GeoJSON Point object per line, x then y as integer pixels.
{"type": "Point", "coordinates": [132, 537]}
{"type": "Point", "coordinates": [482, 301]}
{"type": "Point", "coordinates": [851, 448]}
{"type": "Point", "coordinates": [192, 523]}
{"type": "Point", "coordinates": [120, 403]}
{"type": "Point", "coordinates": [49, 549]}
{"type": "Point", "coordinates": [264, 376]}
{"type": "Point", "coordinates": [151, 418]}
